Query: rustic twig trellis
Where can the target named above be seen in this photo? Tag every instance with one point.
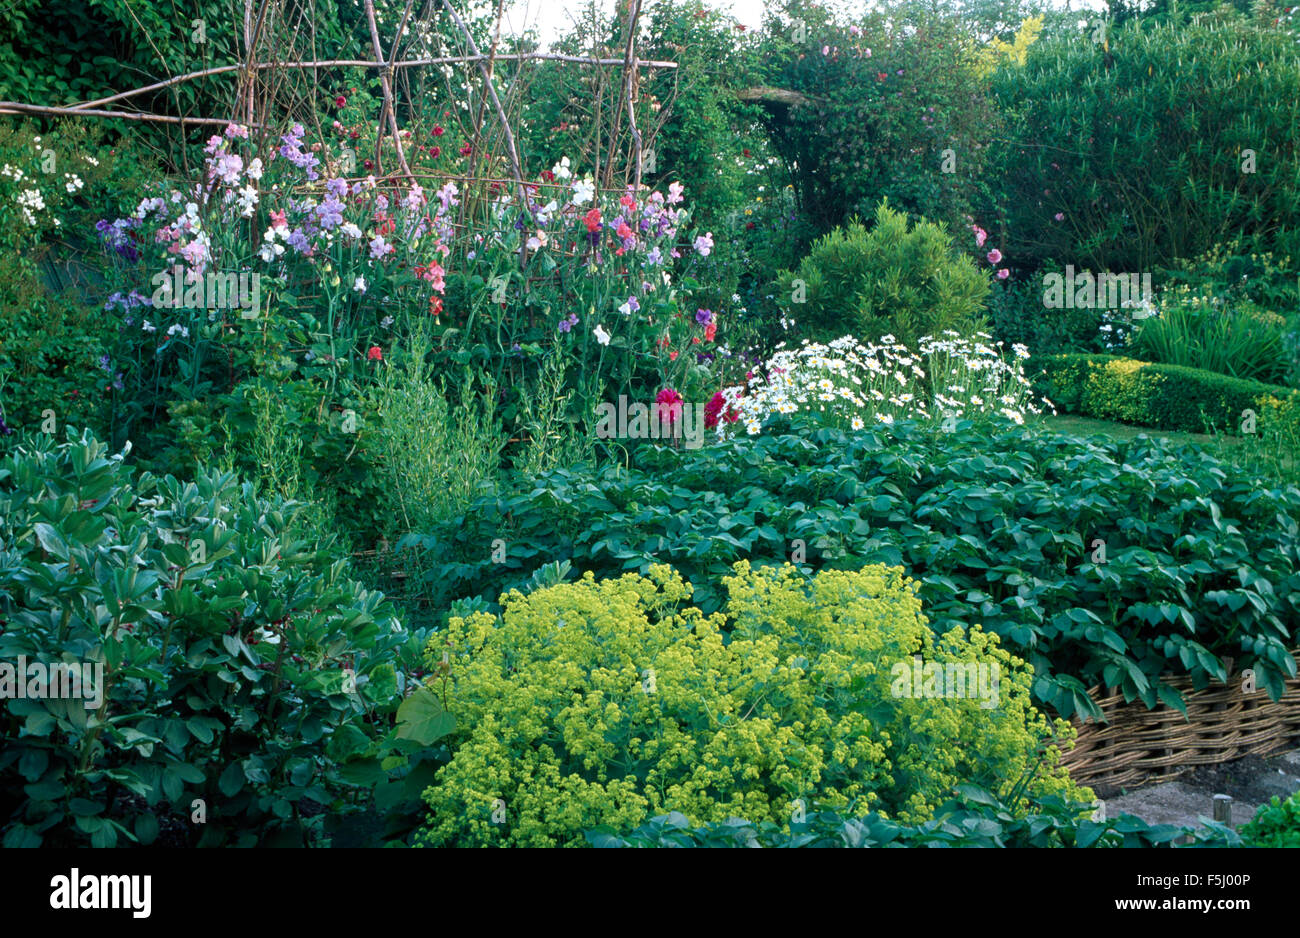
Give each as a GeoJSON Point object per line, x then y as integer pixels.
{"type": "Point", "coordinates": [255, 25]}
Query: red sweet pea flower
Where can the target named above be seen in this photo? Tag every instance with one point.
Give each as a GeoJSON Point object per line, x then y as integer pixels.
{"type": "Point", "coordinates": [713, 410]}
{"type": "Point", "coordinates": [437, 130]}
{"type": "Point", "coordinates": [375, 354]}
{"type": "Point", "coordinates": [466, 150]}
{"type": "Point", "coordinates": [592, 220]}
{"type": "Point", "coordinates": [340, 101]}
{"type": "Point", "coordinates": [435, 152]}
{"type": "Point", "coordinates": [709, 332]}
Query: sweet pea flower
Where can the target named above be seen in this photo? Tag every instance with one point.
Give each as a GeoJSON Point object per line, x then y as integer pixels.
{"type": "Point", "coordinates": [584, 190]}
{"type": "Point", "coordinates": [994, 256]}
{"type": "Point", "coordinates": [601, 335]}
{"type": "Point", "coordinates": [704, 244]}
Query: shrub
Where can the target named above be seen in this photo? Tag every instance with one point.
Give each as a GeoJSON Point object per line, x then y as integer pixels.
{"type": "Point", "coordinates": [1276, 824]}
{"type": "Point", "coordinates": [1018, 316]}
{"type": "Point", "coordinates": [1166, 397]}
{"type": "Point", "coordinates": [889, 280]}
{"type": "Point", "coordinates": [240, 666]}
{"type": "Point", "coordinates": [53, 185]}
{"type": "Point", "coordinates": [864, 110]}
{"type": "Point", "coordinates": [1127, 154]}
{"type": "Point", "coordinates": [604, 702]}
{"type": "Point", "coordinates": [1005, 541]}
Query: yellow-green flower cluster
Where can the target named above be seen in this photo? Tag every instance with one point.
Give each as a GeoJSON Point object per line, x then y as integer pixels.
{"type": "Point", "coordinates": [607, 702]}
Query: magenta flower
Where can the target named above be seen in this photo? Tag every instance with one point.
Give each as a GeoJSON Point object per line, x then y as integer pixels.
{"type": "Point", "coordinates": [994, 256]}
{"type": "Point", "coordinates": [1003, 274]}
{"type": "Point", "coordinates": [1059, 216]}
{"type": "Point", "coordinates": [980, 235]}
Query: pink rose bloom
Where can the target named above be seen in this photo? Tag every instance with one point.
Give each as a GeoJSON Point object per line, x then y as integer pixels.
{"type": "Point", "coordinates": [980, 235]}
{"type": "Point", "coordinates": [994, 256]}
{"type": "Point", "coordinates": [1059, 216]}
{"type": "Point", "coordinates": [1003, 274]}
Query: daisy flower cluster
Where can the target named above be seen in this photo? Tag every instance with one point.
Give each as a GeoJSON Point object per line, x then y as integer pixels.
{"type": "Point", "coordinates": [850, 384]}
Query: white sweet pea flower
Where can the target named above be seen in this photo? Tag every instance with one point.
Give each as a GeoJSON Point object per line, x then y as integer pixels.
{"type": "Point", "coordinates": [583, 191]}
{"type": "Point", "coordinates": [601, 335]}
{"type": "Point", "coordinates": [359, 285]}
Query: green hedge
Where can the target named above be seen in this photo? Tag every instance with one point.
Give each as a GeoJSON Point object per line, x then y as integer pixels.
{"type": "Point", "coordinates": [1165, 397]}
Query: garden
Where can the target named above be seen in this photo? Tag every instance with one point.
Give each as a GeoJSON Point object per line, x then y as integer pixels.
{"type": "Point", "coordinates": [646, 427]}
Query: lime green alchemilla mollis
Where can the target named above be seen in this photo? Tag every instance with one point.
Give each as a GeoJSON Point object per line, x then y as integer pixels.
{"type": "Point", "coordinates": [612, 701]}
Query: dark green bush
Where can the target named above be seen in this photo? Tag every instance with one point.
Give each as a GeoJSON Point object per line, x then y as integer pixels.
{"type": "Point", "coordinates": [1138, 143]}
{"type": "Point", "coordinates": [1000, 526]}
{"type": "Point", "coordinates": [872, 108]}
{"type": "Point", "coordinates": [889, 280]}
{"type": "Point", "coordinates": [1166, 397]}
{"type": "Point", "coordinates": [241, 666]}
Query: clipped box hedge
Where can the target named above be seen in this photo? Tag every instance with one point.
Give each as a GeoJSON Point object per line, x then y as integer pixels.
{"type": "Point", "coordinates": [1164, 397]}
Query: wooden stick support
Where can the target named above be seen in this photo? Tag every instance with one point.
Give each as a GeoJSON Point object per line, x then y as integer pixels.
{"type": "Point", "coordinates": [1223, 808]}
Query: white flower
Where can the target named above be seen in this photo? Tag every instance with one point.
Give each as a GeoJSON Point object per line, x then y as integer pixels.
{"type": "Point", "coordinates": [247, 201]}
{"type": "Point", "coordinates": [561, 169]}
{"type": "Point", "coordinates": [359, 285]}
{"type": "Point", "coordinates": [386, 321]}
{"type": "Point", "coordinates": [351, 230]}
{"type": "Point", "coordinates": [149, 327]}
{"type": "Point", "coordinates": [254, 169]}
{"type": "Point", "coordinates": [583, 191]}
{"type": "Point", "coordinates": [601, 335]}
{"type": "Point", "coordinates": [178, 328]}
